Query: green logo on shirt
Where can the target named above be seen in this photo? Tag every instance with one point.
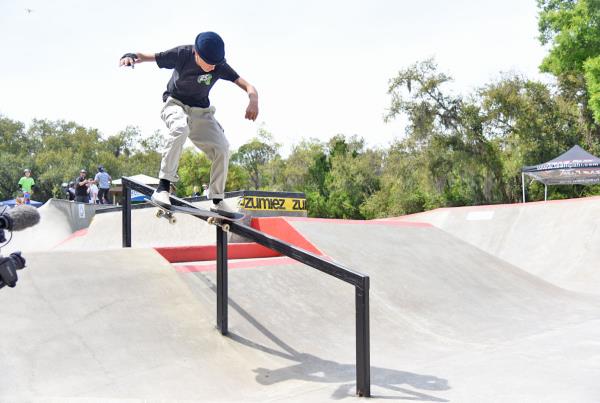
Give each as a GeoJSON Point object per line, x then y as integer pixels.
{"type": "Point", "coordinates": [205, 78]}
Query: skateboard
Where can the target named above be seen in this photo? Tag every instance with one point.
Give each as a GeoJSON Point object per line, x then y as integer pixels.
{"type": "Point", "coordinates": [212, 218]}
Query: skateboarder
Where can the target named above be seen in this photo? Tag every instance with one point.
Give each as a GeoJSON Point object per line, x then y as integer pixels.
{"type": "Point", "coordinates": [187, 111]}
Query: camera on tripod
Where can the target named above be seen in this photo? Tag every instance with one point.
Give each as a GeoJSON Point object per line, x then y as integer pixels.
{"type": "Point", "coordinates": [9, 265]}
{"type": "Point", "coordinates": [16, 219]}
{"type": "Point", "coordinates": [8, 268]}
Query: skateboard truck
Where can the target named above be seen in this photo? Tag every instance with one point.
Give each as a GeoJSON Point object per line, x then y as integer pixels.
{"type": "Point", "coordinates": [215, 221]}
{"type": "Point", "coordinates": [160, 213]}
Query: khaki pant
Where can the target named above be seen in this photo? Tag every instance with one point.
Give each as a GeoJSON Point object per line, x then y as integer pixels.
{"type": "Point", "coordinates": [200, 125]}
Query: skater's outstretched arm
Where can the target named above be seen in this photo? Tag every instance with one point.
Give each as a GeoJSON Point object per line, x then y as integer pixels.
{"type": "Point", "coordinates": [252, 109]}
{"type": "Point", "coordinates": [131, 59]}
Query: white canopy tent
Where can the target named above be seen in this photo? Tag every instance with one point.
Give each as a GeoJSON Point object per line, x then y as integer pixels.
{"type": "Point", "coordinates": [574, 167]}
{"type": "Point", "coordinates": [145, 179]}
{"type": "Point", "coordinates": [117, 187]}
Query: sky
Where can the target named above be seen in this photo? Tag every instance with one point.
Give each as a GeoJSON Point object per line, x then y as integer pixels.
{"type": "Point", "coordinates": [321, 68]}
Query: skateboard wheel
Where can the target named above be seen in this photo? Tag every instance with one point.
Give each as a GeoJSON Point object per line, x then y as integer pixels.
{"type": "Point", "coordinates": [226, 227]}
{"type": "Point", "coordinates": [172, 220]}
{"type": "Point", "coordinates": [159, 213]}
{"type": "Point", "coordinates": [211, 220]}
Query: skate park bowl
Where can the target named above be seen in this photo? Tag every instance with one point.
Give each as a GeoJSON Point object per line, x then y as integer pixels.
{"type": "Point", "coordinates": [469, 304]}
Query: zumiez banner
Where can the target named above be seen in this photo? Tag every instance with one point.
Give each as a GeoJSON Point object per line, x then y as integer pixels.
{"type": "Point", "coordinates": [273, 203]}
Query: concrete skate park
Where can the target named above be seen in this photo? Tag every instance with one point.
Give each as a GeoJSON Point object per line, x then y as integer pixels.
{"type": "Point", "coordinates": [472, 304]}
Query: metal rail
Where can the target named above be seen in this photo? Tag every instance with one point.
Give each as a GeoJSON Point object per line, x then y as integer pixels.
{"type": "Point", "coordinates": [358, 280]}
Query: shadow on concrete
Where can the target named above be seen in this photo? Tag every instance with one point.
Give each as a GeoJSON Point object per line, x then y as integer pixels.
{"type": "Point", "coordinates": [311, 368]}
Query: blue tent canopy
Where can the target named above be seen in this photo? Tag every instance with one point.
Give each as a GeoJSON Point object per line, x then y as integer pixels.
{"type": "Point", "coordinates": [13, 202]}
{"type": "Point", "coordinates": [137, 197]}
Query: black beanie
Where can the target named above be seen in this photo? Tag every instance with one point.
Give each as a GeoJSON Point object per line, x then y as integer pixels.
{"type": "Point", "coordinates": [210, 47]}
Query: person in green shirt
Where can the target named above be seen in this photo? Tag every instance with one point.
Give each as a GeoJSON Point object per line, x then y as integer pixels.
{"type": "Point", "coordinates": [26, 184]}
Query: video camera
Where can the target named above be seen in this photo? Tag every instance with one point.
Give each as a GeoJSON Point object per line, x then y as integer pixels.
{"type": "Point", "coordinates": [8, 269]}
{"type": "Point", "coordinates": [15, 219]}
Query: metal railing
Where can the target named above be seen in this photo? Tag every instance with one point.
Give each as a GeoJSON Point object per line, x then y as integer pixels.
{"type": "Point", "coordinates": [358, 280]}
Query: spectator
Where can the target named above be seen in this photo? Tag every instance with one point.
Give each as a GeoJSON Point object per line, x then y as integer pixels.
{"type": "Point", "coordinates": [71, 191]}
{"type": "Point", "coordinates": [196, 192]}
{"type": "Point", "coordinates": [81, 187]}
{"type": "Point", "coordinates": [26, 184]}
{"type": "Point", "coordinates": [93, 193]}
{"type": "Point", "coordinates": [205, 190]}
{"type": "Point", "coordinates": [103, 180]}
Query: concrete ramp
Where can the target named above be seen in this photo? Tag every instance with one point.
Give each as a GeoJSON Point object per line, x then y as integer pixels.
{"type": "Point", "coordinates": [556, 241]}
{"type": "Point", "coordinates": [443, 307]}
{"type": "Point", "coordinates": [442, 281]}
{"type": "Point", "coordinates": [74, 226]}
{"type": "Point", "coordinates": [105, 233]}
{"type": "Point", "coordinates": [122, 325]}
{"type": "Point", "coordinates": [58, 220]}
{"type": "Point", "coordinates": [449, 323]}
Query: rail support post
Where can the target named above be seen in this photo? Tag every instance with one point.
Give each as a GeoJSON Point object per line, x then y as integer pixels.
{"type": "Point", "coordinates": [126, 217]}
{"type": "Point", "coordinates": [222, 297]}
{"type": "Point", "coordinates": [363, 354]}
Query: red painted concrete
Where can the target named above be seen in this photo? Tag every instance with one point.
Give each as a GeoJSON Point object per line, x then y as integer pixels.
{"type": "Point", "coordinates": [76, 234]}
{"type": "Point", "coordinates": [279, 227]}
{"type": "Point", "coordinates": [177, 254]}
{"type": "Point", "coordinates": [246, 264]}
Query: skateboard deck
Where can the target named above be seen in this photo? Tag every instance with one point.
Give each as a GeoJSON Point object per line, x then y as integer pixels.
{"type": "Point", "coordinates": [214, 218]}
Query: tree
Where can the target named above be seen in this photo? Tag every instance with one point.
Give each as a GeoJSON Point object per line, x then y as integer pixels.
{"type": "Point", "coordinates": [255, 155]}
{"type": "Point", "coordinates": [125, 142]}
{"type": "Point", "coordinates": [194, 170]}
{"type": "Point", "coordinates": [13, 155]}
{"type": "Point", "coordinates": [446, 132]}
{"type": "Point", "coordinates": [352, 178]}
{"type": "Point", "coordinates": [572, 30]}
{"type": "Point", "coordinates": [305, 167]}
{"type": "Point", "coordinates": [465, 150]}
{"type": "Point", "coordinates": [404, 184]}
{"type": "Point", "coordinates": [592, 77]}
{"type": "Point", "coordinates": [55, 151]}
{"type": "Point", "coordinates": [528, 123]}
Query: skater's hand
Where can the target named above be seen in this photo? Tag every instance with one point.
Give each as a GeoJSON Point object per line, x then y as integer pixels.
{"type": "Point", "coordinates": [252, 110]}
{"type": "Point", "coordinates": [129, 59]}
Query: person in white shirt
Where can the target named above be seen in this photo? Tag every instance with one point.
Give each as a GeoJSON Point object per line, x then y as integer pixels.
{"type": "Point", "coordinates": [93, 193]}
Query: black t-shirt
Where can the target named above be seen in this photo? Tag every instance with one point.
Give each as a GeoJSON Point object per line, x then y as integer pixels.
{"type": "Point", "coordinates": [189, 83]}
{"type": "Point", "coordinates": [80, 189]}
